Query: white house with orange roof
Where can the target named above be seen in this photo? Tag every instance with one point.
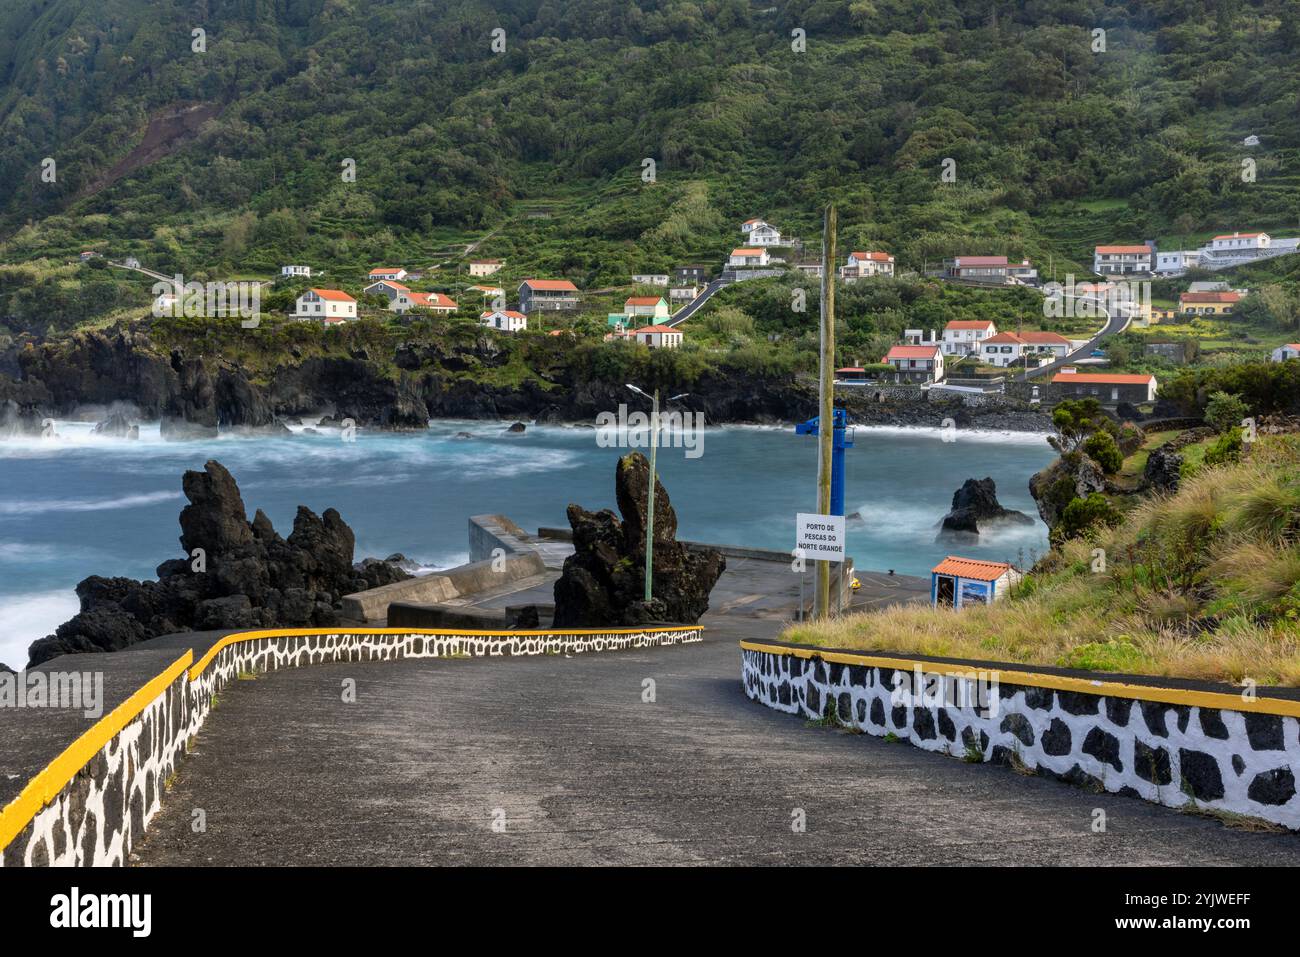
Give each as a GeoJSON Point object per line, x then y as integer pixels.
{"type": "Point", "coordinates": [432, 301]}
{"type": "Point", "coordinates": [955, 582]}
{"type": "Point", "coordinates": [918, 363]}
{"type": "Point", "coordinates": [862, 265]}
{"type": "Point", "coordinates": [1121, 260]}
{"type": "Point", "coordinates": [1289, 351]}
{"type": "Point", "coordinates": [962, 337]}
{"type": "Point", "coordinates": [646, 307]}
{"type": "Point", "coordinates": [758, 232]}
{"type": "Point", "coordinates": [748, 256]}
{"type": "Point", "coordinates": [658, 336]}
{"type": "Point", "coordinates": [1240, 243]}
{"type": "Point", "coordinates": [328, 305]}
{"type": "Point", "coordinates": [395, 273]}
{"type": "Point", "coordinates": [505, 320]}
{"type": "Point", "coordinates": [1032, 348]}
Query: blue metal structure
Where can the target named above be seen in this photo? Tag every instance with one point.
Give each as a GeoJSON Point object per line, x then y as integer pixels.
{"type": "Point", "coordinates": [843, 439]}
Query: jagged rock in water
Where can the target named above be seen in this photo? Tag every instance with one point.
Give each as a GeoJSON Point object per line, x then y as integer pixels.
{"type": "Point", "coordinates": [975, 504]}
{"type": "Point", "coordinates": [1073, 475]}
{"type": "Point", "coordinates": [117, 426]}
{"type": "Point", "coordinates": [18, 420]}
{"type": "Point", "coordinates": [603, 582]}
{"type": "Point", "coordinates": [235, 574]}
{"type": "Point", "coordinates": [1163, 470]}
{"type": "Point", "coordinates": [516, 429]}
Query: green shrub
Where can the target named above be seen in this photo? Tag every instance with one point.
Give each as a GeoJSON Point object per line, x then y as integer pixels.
{"type": "Point", "coordinates": [1084, 515]}
{"type": "Point", "coordinates": [1102, 448]}
{"type": "Point", "coordinates": [1227, 448]}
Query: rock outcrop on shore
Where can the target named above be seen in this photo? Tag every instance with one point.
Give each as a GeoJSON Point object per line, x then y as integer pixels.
{"type": "Point", "coordinates": [235, 574]}
{"type": "Point", "coordinates": [603, 582]}
{"type": "Point", "coordinates": [976, 504]}
{"type": "Point", "coordinates": [1073, 475]}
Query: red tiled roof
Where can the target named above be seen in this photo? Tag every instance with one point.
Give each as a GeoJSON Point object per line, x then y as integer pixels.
{"type": "Point", "coordinates": [433, 299]}
{"type": "Point", "coordinates": [385, 270]}
{"type": "Point", "coordinates": [1005, 337]}
{"type": "Point", "coordinates": [656, 329]}
{"type": "Point", "coordinates": [851, 369]}
{"type": "Point", "coordinates": [509, 313]}
{"type": "Point", "coordinates": [1104, 378]}
{"type": "Point", "coordinates": [1044, 338]}
{"type": "Point", "coordinates": [747, 252]}
{"type": "Point", "coordinates": [1210, 297]}
{"type": "Point", "coordinates": [334, 295]}
{"type": "Point", "coordinates": [981, 260]}
{"type": "Point", "coordinates": [911, 352]}
{"type": "Point", "coordinates": [550, 285]}
{"type": "Point", "coordinates": [876, 256]}
{"type": "Point", "coordinates": [1139, 250]}
{"type": "Point", "coordinates": [968, 324]}
{"type": "Point", "coordinates": [971, 568]}
{"type": "Point", "coordinates": [1239, 235]}
{"type": "Point", "coordinates": [643, 301]}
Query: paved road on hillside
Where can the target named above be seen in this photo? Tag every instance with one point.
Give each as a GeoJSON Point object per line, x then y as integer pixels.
{"type": "Point", "coordinates": [582, 771]}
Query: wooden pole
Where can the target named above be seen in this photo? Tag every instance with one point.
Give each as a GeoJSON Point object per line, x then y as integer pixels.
{"type": "Point", "coordinates": [826, 404]}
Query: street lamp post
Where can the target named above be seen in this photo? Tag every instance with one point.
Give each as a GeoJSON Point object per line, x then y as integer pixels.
{"type": "Point", "coordinates": [650, 493]}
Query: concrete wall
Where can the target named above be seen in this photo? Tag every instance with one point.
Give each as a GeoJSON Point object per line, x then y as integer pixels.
{"type": "Point", "coordinates": [94, 802]}
{"type": "Point", "coordinates": [372, 604]}
{"type": "Point", "coordinates": [1174, 746]}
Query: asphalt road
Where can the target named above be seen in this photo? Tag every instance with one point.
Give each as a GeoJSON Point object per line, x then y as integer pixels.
{"type": "Point", "coordinates": [554, 760]}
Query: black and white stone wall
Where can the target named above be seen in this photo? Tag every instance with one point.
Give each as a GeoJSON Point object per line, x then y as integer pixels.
{"type": "Point", "coordinates": [1235, 761]}
{"type": "Point", "coordinates": [99, 815]}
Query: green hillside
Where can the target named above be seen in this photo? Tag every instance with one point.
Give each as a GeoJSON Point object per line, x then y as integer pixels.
{"type": "Point", "coordinates": [230, 161]}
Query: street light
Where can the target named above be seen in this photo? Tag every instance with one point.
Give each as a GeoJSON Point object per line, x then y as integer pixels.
{"type": "Point", "coordinates": [650, 494]}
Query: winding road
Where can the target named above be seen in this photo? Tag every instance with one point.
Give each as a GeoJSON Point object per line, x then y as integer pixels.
{"type": "Point", "coordinates": [555, 760]}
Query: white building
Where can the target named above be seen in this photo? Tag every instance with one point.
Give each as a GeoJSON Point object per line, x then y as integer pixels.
{"type": "Point", "coordinates": [328, 305]}
{"type": "Point", "coordinates": [388, 272]}
{"type": "Point", "coordinates": [658, 337]}
{"type": "Point", "coordinates": [919, 363]}
{"type": "Point", "coordinates": [683, 292]}
{"type": "Point", "coordinates": [962, 337]}
{"type": "Point", "coordinates": [1028, 348]}
{"type": "Point", "coordinates": [748, 256]}
{"type": "Point", "coordinates": [861, 265]}
{"type": "Point", "coordinates": [1177, 261]}
{"type": "Point", "coordinates": [293, 271]}
{"type": "Point", "coordinates": [1121, 260]}
{"type": "Point", "coordinates": [485, 267]}
{"type": "Point", "coordinates": [760, 233]}
{"type": "Point", "coordinates": [1239, 243]}
{"type": "Point", "coordinates": [651, 279]}
{"type": "Point", "coordinates": [1289, 351]}
{"type": "Point", "coordinates": [406, 300]}
{"type": "Point", "coordinates": [167, 304]}
{"type": "Point", "coordinates": [506, 320]}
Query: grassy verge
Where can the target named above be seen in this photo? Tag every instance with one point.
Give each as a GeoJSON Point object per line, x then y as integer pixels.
{"type": "Point", "coordinates": [1201, 584]}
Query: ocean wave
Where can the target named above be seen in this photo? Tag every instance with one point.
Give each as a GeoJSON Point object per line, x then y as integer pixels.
{"type": "Point", "coordinates": [25, 618]}
{"type": "Point", "coordinates": [36, 507]}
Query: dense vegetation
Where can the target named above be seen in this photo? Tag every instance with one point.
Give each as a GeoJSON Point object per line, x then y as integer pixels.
{"type": "Point", "coordinates": [229, 161]}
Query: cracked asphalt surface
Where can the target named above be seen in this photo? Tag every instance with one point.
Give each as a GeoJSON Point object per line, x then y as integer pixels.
{"type": "Point", "coordinates": [560, 761]}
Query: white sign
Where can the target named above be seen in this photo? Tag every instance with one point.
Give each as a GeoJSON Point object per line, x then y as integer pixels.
{"type": "Point", "coordinates": [820, 537]}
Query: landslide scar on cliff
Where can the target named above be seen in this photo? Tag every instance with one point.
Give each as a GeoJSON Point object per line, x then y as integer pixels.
{"type": "Point", "coordinates": [168, 130]}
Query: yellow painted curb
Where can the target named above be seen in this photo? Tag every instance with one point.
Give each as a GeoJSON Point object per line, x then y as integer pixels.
{"type": "Point", "coordinates": [54, 777]}
{"type": "Point", "coordinates": [243, 636]}
{"type": "Point", "coordinates": [1097, 686]}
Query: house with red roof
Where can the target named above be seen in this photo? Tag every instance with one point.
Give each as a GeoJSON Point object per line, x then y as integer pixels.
{"type": "Point", "coordinates": [1236, 244]}
{"type": "Point", "coordinates": [962, 337]}
{"type": "Point", "coordinates": [1218, 303]}
{"type": "Point", "coordinates": [1289, 351]}
{"type": "Point", "coordinates": [658, 336]}
{"type": "Point", "coordinates": [1108, 388]}
{"type": "Point", "coordinates": [748, 256]}
{"type": "Point", "coordinates": [550, 295]}
{"type": "Point", "coordinates": [432, 301]}
{"type": "Point", "coordinates": [862, 265]}
{"type": "Point", "coordinates": [956, 582]}
{"type": "Point", "coordinates": [388, 272]}
{"type": "Point", "coordinates": [1121, 260]}
{"type": "Point", "coordinates": [647, 307]}
{"type": "Point", "coordinates": [330, 306]}
{"type": "Point", "coordinates": [757, 232]}
{"type": "Point", "coordinates": [504, 320]}
{"type": "Point", "coordinates": [916, 363]}
{"type": "Point", "coordinates": [1030, 348]}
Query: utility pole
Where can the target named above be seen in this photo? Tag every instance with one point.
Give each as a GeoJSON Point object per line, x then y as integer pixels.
{"type": "Point", "coordinates": [650, 494]}
{"type": "Point", "coordinates": [826, 403]}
